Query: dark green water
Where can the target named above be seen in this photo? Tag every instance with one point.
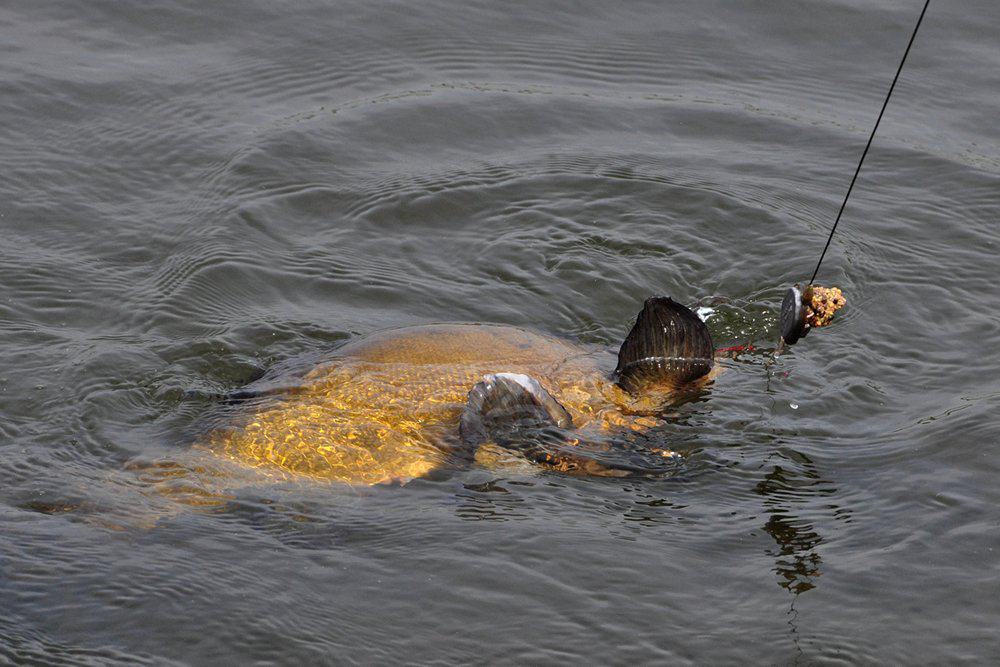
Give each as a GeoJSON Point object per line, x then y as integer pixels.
{"type": "Point", "coordinates": [191, 193]}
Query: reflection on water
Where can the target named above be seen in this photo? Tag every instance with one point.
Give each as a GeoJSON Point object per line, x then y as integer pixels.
{"type": "Point", "coordinates": [786, 488]}
{"type": "Point", "coordinates": [491, 501]}
{"type": "Point", "coordinates": [796, 562]}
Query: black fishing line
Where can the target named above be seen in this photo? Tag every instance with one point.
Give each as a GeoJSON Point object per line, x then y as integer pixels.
{"type": "Point", "coordinates": [869, 144]}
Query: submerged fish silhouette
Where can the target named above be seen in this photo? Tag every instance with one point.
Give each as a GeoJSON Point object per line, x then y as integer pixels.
{"type": "Point", "coordinates": [403, 403]}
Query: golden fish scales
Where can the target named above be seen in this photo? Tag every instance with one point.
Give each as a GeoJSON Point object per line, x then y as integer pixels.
{"type": "Point", "coordinates": [387, 407]}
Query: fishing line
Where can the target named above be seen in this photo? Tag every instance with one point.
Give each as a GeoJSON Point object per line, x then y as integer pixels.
{"type": "Point", "coordinates": [870, 137]}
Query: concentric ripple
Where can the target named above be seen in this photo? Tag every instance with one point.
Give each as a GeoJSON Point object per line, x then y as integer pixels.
{"type": "Point", "coordinates": [201, 197]}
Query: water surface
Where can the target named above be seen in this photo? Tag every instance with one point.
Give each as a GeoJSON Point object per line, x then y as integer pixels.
{"type": "Point", "coordinates": [192, 193]}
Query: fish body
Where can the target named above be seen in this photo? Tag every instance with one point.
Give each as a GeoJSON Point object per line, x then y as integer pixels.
{"type": "Point", "coordinates": [387, 406]}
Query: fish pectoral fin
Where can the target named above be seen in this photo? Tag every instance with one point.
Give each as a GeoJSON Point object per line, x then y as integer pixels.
{"type": "Point", "coordinates": [568, 456]}
{"type": "Point", "coordinates": [603, 458]}
{"type": "Point", "coordinates": [517, 413]}
{"type": "Point", "coordinates": [668, 345]}
{"type": "Point", "coordinates": [504, 406]}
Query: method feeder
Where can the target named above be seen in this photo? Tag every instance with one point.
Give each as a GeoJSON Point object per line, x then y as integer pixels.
{"type": "Point", "coordinates": [805, 308]}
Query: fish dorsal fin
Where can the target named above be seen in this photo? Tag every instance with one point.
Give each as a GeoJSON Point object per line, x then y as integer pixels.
{"type": "Point", "coordinates": [668, 346]}
{"type": "Point", "coordinates": [506, 403]}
